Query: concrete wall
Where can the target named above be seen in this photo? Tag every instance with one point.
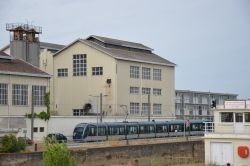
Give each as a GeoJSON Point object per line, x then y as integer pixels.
{"type": "Point", "coordinates": [137, 155]}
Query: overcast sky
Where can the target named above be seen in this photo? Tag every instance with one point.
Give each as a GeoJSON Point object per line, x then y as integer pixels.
{"type": "Point", "coordinates": [209, 40]}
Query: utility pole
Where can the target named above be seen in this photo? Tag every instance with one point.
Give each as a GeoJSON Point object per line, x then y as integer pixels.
{"type": "Point", "coordinates": [101, 107]}
{"type": "Point", "coordinates": [32, 114]}
{"type": "Point", "coordinates": [209, 104]}
{"type": "Point", "coordinates": [182, 106]}
{"type": "Point", "coordinates": [149, 107]}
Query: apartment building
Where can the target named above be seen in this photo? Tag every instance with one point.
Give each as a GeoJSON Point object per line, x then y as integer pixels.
{"type": "Point", "coordinates": [129, 76]}
{"type": "Point", "coordinates": [197, 104]}
{"type": "Point", "coordinates": [18, 80]}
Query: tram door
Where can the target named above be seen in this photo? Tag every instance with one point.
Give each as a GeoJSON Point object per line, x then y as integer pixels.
{"type": "Point", "coordinates": [238, 124]}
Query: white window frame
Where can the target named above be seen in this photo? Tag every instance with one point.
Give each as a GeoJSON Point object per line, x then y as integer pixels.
{"type": "Point", "coordinates": [3, 94]}
{"type": "Point", "coordinates": [134, 72]}
{"type": "Point", "coordinates": [146, 91]}
{"type": "Point", "coordinates": [157, 92]}
{"type": "Point", "coordinates": [78, 112]}
{"type": "Point", "coordinates": [157, 74]}
{"type": "Point", "coordinates": [63, 72]}
{"type": "Point", "coordinates": [96, 71]}
{"type": "Point", "coordinates": [157, 109]}
{"type": "Point", "coordinates": [134, 90]}
{"type": "Point", "coordinates": [39, 93]}
{"type": "Point", "coordinates": [134, 108]}
{"type": "Point", "coordinates": [146, 73]}
{"type": "Point", "coordinates": [79, 65]}
{"type": "Point", "coordinates": [19, 94]}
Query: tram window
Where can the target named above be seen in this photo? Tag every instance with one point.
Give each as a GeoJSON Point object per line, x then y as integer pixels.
{"type": "Point", "coordinates": [194, 127]}
{"type": "Point", "coordinates": [159, 129]}
{"type": "Point", "coordinates": [92, 131]}
{"type": "Point", "coordinates": [101, 131]}
{"type": "Point", "coordinates": [151, 129]}
{"type": "Point", "coordinates": [122, 131]}
{"type": "Point", "coordinates": [86, 132]}
{"type": "Point", "coordinates": [142, 129]}
{"type": "Point", "coordinates": [132, 129]}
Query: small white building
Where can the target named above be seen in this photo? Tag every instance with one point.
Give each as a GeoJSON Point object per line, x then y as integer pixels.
{"type": "Point", "coordinates": [227, 139]}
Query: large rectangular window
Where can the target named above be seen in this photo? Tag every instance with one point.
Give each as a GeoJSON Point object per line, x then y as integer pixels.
{"type": "Point", "coordinates": [134, 72]}
{"type": "Point", "coordinates": [157, 74]}
{"type": "Point", "coordinates": [97, 71]}
{"type": "Point", "coordinates": [145, 91]}
{"type": "Point", "coordinates": [62, 72]}
{"type": "Point", "coordinates": [145, 73]}
{"type": "Point", "coordinates": [79, 65]}
{"type": "Point", "coordinates": [145, 108]}
{"type": "Point", "coordinates": [247, 116]}
{"type": "Point", "coordinates": [38, 95]}
{"type": "Point", "coordinates": [227, 116]}
{"type": "Point", "coordinates": [19, 94]}
{"type": "Point", "coordinates": [157, 109]}
{"type": "Point", "coordinates": [134, 108]}
{"type": "Point", "coordinates": [3, 94]}
{"type": "Point", "coordinates": [157, 92]}
{"type": "Point", "coordinates": [134, 90]}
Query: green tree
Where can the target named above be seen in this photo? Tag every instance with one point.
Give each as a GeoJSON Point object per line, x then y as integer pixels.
{"type": "Point", "coordinates": [57, 154]}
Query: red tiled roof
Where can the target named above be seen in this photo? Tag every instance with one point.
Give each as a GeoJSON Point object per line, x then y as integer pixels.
{"type": "Point", "coordinates": [19, 67]}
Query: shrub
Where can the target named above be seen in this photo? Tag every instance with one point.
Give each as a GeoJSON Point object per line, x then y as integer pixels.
{"type": "Point", "coordinates": [57, 154]}
{"type": "Point", "coordinates": [10, 144]}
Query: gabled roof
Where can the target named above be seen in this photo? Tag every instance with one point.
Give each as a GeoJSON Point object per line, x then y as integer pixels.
{"type": "Point", "coordinates": [52, 46]}
{"type": "Point", "coordinates": [123, 54]}
{"type": "Point", "coordinates": [43, 45]}
{"type": "Point", "coordinates": [18, 67]}
{"type": "Point", "coordinates": [120, 42]}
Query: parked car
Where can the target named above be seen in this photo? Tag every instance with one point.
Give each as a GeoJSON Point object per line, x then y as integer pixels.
{"type": "Point", "coordinates": [58, 136]}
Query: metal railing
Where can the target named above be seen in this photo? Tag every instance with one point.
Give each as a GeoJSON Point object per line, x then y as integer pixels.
{"type": "Point", "coordinates": [227, 128]}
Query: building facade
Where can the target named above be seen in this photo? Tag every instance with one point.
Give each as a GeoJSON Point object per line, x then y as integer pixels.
{"type": "Point", "coordinates": [18, 79]}
{"type": "Point", "coordinates": [197, 105]}
{"type": "Point", "coordinates": [129, 76]}
{"type": "Point", "coordinates": [227, 139]}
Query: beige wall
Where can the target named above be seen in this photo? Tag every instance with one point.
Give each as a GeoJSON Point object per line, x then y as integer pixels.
{"type": "Point", "coordinates": [20, 110]}
{"type": "Point", "coordinates": [167, 86]}
{"type": "Point", "coordinates": [73, 92]}
{"type": "Point", "coordinates": [46, 64]}
{"type": "Point", "coordinates": [230, 127]}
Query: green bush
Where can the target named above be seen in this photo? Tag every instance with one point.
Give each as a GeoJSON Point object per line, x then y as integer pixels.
{"type": "Point", "coordinates": [57, 154]}
{"type": "Point", "coordinates": [10, 144]}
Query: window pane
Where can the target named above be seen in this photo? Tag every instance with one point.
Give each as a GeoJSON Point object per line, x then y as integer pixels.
{"type": "Point", "coordinates": [226, 117]}
{"type": "Point", "coordinates": [79, 65]}
{"type": "Point", "coordinates": [247, 116]}
{"type": "Point", "coordinates": [239, 117]}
